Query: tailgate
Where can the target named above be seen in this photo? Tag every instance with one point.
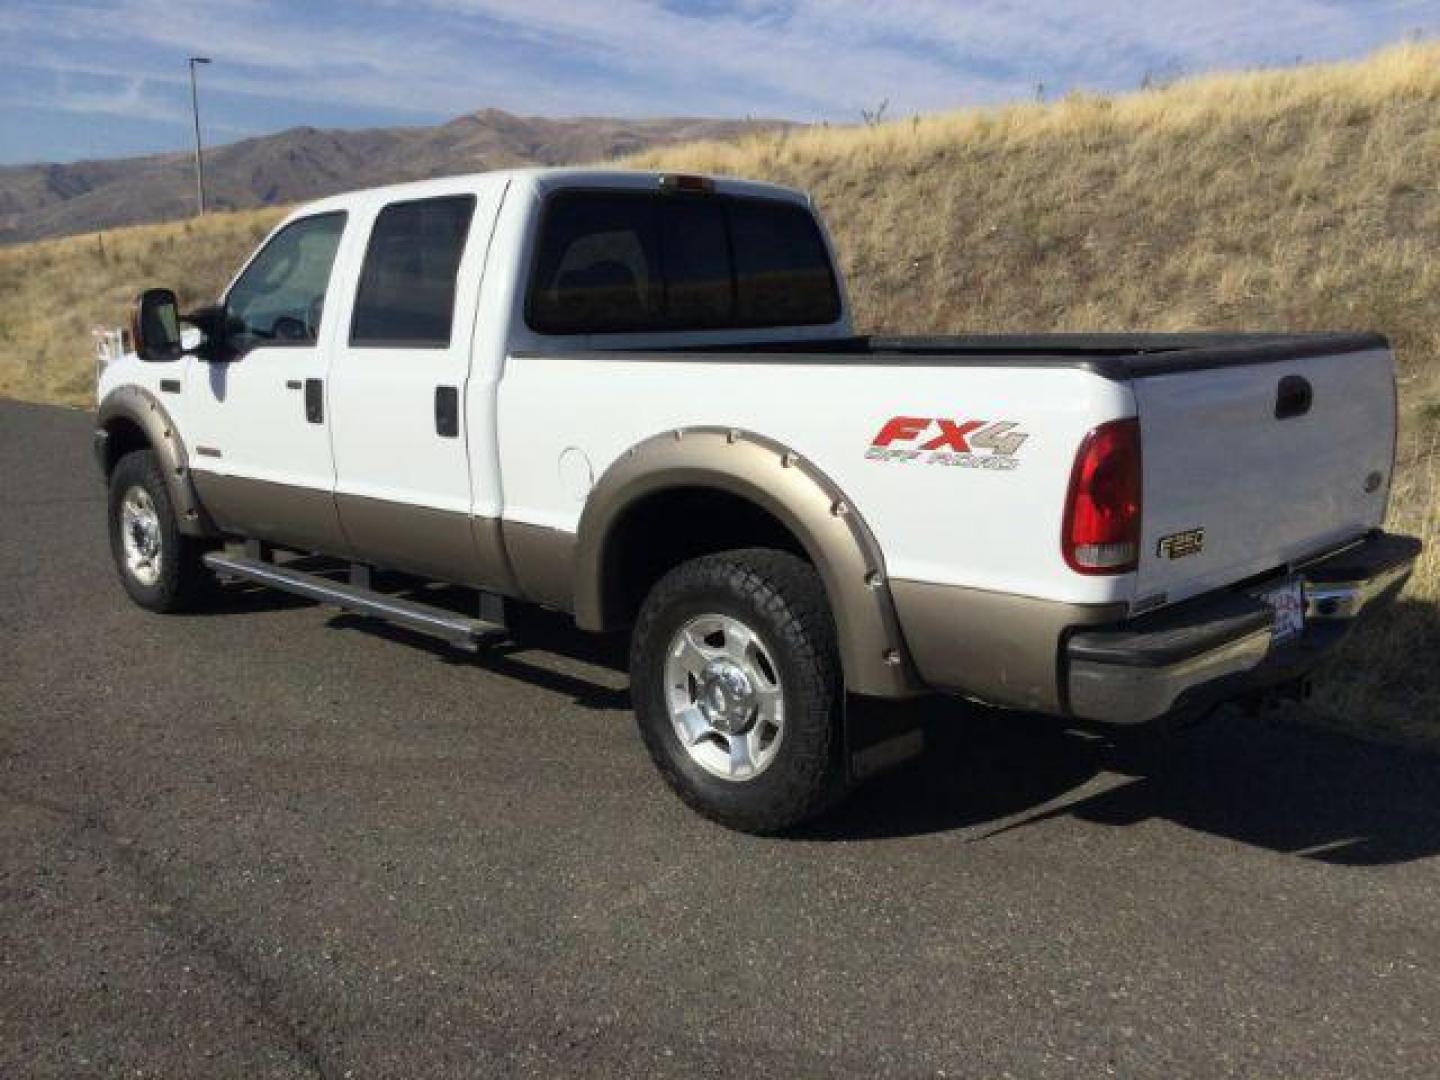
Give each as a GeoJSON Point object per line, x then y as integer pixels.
{"type": "Point", "coordinates": [1243, 475]}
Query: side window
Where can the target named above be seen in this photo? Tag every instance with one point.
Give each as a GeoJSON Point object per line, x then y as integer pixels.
{"type": "Point", "coordinates": [280, 298]}
{"type": "Point", "coordinates": [406, 295]}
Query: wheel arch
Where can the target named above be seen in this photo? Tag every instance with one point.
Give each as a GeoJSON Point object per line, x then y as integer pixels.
{"type": "Point", "coordinates": [783, 488]}
{"type": "Point", "coordinates": [132, 418]}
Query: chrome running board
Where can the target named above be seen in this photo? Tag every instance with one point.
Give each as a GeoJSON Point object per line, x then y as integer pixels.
{"type": "Point", "coordinates": [455, 628]}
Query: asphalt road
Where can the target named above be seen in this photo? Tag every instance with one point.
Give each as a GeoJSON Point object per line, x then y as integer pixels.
{"type": "Point", "coordinates": [272, 841]}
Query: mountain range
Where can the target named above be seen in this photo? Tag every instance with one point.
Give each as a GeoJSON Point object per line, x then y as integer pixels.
{"type": "Point", "coordinates": [47, 200]}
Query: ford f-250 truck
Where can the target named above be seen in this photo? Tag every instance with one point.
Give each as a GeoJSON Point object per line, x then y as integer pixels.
{"type": "Point", "coordinates": [638, 398]}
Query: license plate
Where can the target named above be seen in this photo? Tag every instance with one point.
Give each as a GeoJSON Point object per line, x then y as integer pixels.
{"type": "Point", "coordinates": [1288, 603]}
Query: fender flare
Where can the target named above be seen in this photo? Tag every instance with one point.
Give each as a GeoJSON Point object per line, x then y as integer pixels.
{"type": "Point", "coordinates": [793, 491]}
{"type": "Point", "coordinates": [141, 408]}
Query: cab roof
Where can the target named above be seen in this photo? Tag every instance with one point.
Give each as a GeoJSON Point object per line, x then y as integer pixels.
{"type": "Point", "coordinates": [541, 181]}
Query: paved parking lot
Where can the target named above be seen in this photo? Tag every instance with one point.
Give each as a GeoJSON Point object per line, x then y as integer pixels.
{"type": "Point", "coordinates": [272, 841]}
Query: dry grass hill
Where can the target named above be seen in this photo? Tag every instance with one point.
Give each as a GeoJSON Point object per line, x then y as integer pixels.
{"type": "Point", "coordinates": [1304, 199]}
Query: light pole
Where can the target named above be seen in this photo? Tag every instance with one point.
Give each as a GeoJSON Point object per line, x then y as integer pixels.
{"type": "Point", "coordinates": [195, 112]}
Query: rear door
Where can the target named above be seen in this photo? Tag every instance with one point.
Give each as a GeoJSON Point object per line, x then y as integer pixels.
{"type": "Point", "coordinates": [1249, 467]}
{"type": "Point", "coordinates": [399, 382]}
{"type": "Point", "coordinates": [256, 417]}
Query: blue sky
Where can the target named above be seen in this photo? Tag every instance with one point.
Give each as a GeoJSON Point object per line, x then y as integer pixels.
{"type": "Point", "coordinates": [86, 78]}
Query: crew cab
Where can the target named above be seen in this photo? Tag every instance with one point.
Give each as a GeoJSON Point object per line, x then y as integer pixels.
{"type": "Point", "coordinates": [639, 399]}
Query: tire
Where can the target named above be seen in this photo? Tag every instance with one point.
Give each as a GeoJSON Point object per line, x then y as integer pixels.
{"type": "Point", "coordinates": [142, 520]}
{"type": "Point", "coordinates": [762, 777]}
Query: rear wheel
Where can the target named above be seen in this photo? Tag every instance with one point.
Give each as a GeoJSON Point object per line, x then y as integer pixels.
{"type": "Point", "coordinates": [736, 681]}
{"type": "Point", "coordinates": [159, 566]}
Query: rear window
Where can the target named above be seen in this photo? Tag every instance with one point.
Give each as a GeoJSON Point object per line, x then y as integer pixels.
{"type": "Point", "coordinates": [619, 262]}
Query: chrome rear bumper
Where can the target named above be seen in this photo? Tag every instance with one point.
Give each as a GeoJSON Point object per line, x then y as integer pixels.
{"type": "Point", "coordinates": [1219, 646]}
{"type": "Point", "coordinates": [1344, 584]}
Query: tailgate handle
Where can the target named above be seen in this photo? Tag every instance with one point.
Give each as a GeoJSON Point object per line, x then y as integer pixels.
{"type": "Point", "coordinates": [1294, 397]}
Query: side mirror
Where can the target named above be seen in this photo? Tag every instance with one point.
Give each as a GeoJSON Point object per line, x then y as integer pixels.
{"type": "Point", "coordinates": [215, 326]}
{"type": "Point", "coordinates": [155, 326]}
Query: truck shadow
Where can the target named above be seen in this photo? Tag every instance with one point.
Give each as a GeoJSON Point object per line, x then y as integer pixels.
{"type": "Point", "coordinates": [1269, 780]}
{"type": "Point", "coordinates": [538, 638]}
{"type": "Point", "coordinates": [1273, 782]}
{"type": "Point", "coordinates": [543, 633]}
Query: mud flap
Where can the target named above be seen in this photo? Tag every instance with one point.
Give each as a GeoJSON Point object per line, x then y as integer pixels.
{"type": "Point", "coordinates": [880, 735]}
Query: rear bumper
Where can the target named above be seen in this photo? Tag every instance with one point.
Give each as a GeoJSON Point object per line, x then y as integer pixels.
{"type": "Point", "coordinates": [1220, 645]}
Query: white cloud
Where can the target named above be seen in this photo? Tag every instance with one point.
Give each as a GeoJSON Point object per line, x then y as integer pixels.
{"type": "Point", "coordinates": [805, 58]}
{"type": "Point", "coordinates": [801, 58]}
{"type": "Point", "coordinates": [829, 57]}
{"type": "Point", "coordinates": [125, 97]}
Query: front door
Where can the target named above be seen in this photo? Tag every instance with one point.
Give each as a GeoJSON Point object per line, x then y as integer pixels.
{"type": "Point", "coordinates": [260, 441]}
{"type": "Point", "coordinates": [398, 387]}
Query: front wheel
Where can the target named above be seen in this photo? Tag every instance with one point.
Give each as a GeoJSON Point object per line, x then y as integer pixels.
{"type": "Point", "coordinates": [735, 676]}
{"type": "Point", "coordinates": [159, 566]}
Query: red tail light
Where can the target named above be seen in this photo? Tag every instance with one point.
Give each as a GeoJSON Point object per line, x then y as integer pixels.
{"type": "Point", "coordinates": [1102, 511]}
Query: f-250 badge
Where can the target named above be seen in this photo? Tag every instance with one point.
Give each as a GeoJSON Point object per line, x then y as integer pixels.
{"type": "Point", "coordinates": [966, 444]}
{"type": "Point", "coordinates": [1178, 545]}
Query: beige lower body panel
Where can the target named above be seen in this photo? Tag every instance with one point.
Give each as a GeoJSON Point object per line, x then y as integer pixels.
{"type": "Point", "coordinates": [544, 563]}
{"type": "Point", "coordinates": [300, 517]}
{"type": "Point", "coordinates": [421, 540]}
{"type": "Point", "coordinates": [993, 646]}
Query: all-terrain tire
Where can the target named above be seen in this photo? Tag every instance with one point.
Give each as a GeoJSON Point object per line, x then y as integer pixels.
{"type": "Point", "coordinates": [781, 599]}
{"type": "Point", "coordinates": [178, 579]}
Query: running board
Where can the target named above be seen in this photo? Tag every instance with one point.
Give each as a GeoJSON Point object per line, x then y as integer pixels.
{"type": "Point", "coordinates": [453, 627]}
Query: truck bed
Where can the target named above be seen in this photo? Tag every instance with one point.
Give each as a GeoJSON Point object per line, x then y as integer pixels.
{"type": "Point", "coordinates": [1265, 448]}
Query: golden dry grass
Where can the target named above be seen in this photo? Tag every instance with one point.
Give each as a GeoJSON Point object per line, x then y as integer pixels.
{"type": "Point", "coordinates": [1387, 682]}
{"type": "Point", "coordinates": [53, 292]}
{"type": "Point", "coordinates": [1300, 199]}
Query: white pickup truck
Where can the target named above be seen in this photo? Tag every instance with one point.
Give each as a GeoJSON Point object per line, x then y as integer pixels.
{"type": "Point", "coordinates": [638, 398]}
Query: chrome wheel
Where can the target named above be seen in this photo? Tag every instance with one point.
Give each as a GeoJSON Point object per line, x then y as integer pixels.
{"type": "Point", "coordinates": [140, 536]}
{"type": "Point", "coordinates": [724, 696]}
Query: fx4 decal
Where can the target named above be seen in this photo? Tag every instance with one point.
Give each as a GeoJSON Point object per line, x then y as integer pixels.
{"type": "Point", "coordinates": [966, 444]}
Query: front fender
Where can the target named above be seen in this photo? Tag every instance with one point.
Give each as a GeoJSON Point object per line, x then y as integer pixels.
{"type": "Point", "coordinates": [793, 491]}
{"type": "Point", "coordinates": [136, 405]}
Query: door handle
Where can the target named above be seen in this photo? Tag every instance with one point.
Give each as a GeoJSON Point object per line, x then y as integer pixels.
{"type": "Point", "coordinates": [447, 412]}
{"type": "Point", "coordinates": [314, 401]}
{"type": "Point", "coordinates": [293, 384]}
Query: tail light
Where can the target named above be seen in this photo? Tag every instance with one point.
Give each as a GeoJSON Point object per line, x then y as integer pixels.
{"type": "Point", "coordinates": [1102, 510]}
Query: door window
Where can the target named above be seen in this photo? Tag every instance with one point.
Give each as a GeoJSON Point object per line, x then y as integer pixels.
{"type": "Point", "coordinates": [280, 297]}
{"type": "Point", "coordinates": [406, 296]}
